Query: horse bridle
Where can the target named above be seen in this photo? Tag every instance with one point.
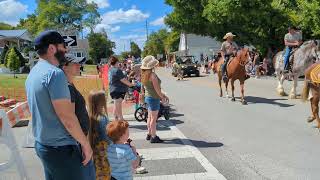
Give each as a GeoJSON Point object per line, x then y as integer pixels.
{"type": "Point", "coordinates": [243, 63]}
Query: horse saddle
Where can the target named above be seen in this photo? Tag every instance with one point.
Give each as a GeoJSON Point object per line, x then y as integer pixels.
{"type": "Point", "coordinates": [315, 74]}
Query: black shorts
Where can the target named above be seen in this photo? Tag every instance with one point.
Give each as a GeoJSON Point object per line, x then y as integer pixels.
{"type": "Point", "coordinates": [117, 95]}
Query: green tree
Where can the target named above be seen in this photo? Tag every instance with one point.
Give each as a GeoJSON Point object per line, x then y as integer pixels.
{"type": "Point", "coordinates": [61, 15]}
{"type": "Point", "coordinates": [3, 55]}
{"type": "Point", "coordinates": [156, 43]}
{"type": "Point", "coordinates": [4, 26]}
{"type": "Point", "coordinates": [22, 60]}
{"type": "Point", "coordinates": [30, 23]}
{"type": "Point", "coordinates": [135, 50]}
{"type": "Point", "coordinates": [13, 62]}
{"type": "Point", "coordinates": [100, 46]}
{"type": "Point", "coordinates": [172, 42]}
{"type": "Point", "coordinates": [187, 16]}
{"type": "Point", "coordinates": [124, 55]}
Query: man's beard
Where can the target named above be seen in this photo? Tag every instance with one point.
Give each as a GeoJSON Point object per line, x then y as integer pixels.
{"type": "Point", "coordinates": [60, 57]}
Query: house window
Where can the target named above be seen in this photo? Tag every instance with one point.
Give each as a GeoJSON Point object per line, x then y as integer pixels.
{"type": "Point", "coordinates": [79, 54]}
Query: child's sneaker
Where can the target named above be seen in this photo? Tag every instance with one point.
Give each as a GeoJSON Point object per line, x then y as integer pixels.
{"type": "Point", "coordinates": [141, 170]}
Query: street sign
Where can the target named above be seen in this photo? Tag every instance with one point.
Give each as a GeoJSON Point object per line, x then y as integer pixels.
{"type": "Point", "coordinates": [70, 40]}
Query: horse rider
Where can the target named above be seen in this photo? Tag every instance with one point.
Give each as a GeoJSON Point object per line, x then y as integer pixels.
{"type": "Point", "coordinates": [292, 39]}
{"type": "Point", "coordinates": [228, 48]}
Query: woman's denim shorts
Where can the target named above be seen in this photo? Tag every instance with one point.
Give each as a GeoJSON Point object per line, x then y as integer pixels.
{"type": "Point", "coordinates": [152, 103]}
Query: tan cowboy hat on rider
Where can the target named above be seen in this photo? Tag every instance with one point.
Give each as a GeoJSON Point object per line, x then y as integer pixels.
{"type": "Point", "coordinates": [149, 62]}
{"type": "Point", "coordinates": [229, 34]}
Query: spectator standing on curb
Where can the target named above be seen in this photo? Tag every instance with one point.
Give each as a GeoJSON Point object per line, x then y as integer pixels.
{"type": "Point", "coordinates": [97, 106]}
{"type": "Point", "coordinates": [55, 126]}
{"type": "Point", "coordinates": [71, 68]}
{"type": "Point", "coordinates": [152, 92]}
{"type": "Point", "coordinates": [118, 86]}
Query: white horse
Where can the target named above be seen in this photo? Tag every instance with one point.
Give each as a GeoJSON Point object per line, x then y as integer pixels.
{"type": "Point", "coordinates": [303, 57]}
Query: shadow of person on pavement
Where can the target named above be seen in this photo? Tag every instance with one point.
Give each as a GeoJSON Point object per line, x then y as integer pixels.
{"type": "Point", "coordinates": [196, 143]}
{"type": "Point", "coordinates": [144, 127]}
{"type": "Point", "coordinates": [176, 115]}
{"type": "Point", "coordinates": [261, 100]}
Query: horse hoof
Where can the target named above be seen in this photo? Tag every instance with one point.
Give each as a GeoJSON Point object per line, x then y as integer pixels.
{"type": "Point", "coordinates": [244, 102]}
{"type": "Point", "coordinates": [282, 93]}
{"type": "Point", "coordinates": [310, 119]}
{"type": "Point", "coordinates": [292, 96]}
{"type": "Point", "coordinates": [233, 99]}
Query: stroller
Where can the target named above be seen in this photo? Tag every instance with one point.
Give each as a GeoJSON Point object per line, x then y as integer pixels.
{"type": "Point", "coordinates": [141, 113]}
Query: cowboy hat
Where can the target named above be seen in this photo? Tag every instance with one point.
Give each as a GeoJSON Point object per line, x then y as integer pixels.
{"type": "Point", "coordinates": [149, 62]}
{"type": "Point", "coordinates": [229, 34]}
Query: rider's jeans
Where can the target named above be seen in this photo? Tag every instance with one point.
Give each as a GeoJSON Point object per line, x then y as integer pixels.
{"type": "Point", "coordinates": [224, 65]}
{"type": "Point", "coordinates": [287, 56]}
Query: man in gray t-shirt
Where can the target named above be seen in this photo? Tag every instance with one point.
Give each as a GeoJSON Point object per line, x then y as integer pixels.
{"type": "Point", "coordinates": [55, 126]}
{"type": "Point", "coordinates": [292, 39]}
{"type": "Point", "coordinates": [228, 48]}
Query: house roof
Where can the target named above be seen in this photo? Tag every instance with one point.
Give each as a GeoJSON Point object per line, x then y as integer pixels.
{"type": "Point", "coordinates": [20, 34]}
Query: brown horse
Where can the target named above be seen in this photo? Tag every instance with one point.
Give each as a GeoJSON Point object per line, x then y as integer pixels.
{"type": "Point", "coordinates": [235, 70]}
{"type": "Point", "coordinates": [315, 91]}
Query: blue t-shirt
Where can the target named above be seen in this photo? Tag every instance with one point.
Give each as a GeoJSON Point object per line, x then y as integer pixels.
{"type": "Point", "coordinates": [120, 158]}
{"type": "Point", "coordinates": [45, 83]}
{"type": "Point", "coordinates": [115, 85]}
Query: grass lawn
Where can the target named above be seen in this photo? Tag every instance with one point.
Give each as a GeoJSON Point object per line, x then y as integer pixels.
{"type": "Point", "coordinates": [14, 87]}
{"type": "Point", "coordinates": [11, 87]}
{"type": "Point", "coordinates": [90, 69]}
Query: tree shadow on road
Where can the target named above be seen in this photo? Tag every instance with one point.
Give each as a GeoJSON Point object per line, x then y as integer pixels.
{"type": "Point", "coordinates": [196, 143]}
{"type": "Point", "coordinates": [261, 100]}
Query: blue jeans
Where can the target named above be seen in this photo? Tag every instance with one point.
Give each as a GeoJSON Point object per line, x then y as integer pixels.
{"type": "Point", "coordinates": [64, 163]}
{"type": "Point", "coordinates": [153, 103]}
{"type": "Point", "coordinates": [287, 57]}
{"type": "Point", "coordinates": [224, 65]}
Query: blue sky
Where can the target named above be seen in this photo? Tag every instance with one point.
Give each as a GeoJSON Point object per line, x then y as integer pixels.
{"type": "Point", "coordinates": [124, 20]}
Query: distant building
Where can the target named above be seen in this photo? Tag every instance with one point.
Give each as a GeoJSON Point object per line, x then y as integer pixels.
{"type": "Point", "coordinates": [195, 45]}
{"type": "Point", "coordinates": [82, 48]}
{"type": "Point", "coordinates": [19, 38]}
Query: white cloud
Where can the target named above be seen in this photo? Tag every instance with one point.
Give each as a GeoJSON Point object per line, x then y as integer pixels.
{"type": "Point", "coordinates": [121, 16]}
{"type": "Point", "coordinates": [106, 27]}
{"type": "Point", "coordinates": [11, 11]}
{"type": "Point", "coordinates": [115, 29]}
{"type": "Point", "coordinates": [100, 3]}
{"type": "Point", "coordinates": [123, 42]}
{"type": "Point", "coordinates": [158, 22]}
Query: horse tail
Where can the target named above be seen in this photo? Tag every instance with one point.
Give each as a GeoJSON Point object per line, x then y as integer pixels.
{"type": "Point", "coordinates": [305, 91]}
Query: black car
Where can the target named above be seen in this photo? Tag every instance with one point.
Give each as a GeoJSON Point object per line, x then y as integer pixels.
{"type": "Point", "coordinates": [188, 66]}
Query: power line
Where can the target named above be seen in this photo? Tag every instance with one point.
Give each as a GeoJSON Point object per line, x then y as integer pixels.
{"type": "Point", "coordinates": [147, 33]}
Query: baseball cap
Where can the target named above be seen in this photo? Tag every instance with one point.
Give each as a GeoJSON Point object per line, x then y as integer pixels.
{"type": "Point", "coordinates": [47, 37]}
{"type": "Point", "coordinates": [70, 58]}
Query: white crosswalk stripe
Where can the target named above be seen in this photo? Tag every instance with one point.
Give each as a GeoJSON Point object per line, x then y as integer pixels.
{"type": "Point", "coordinates": [186, 150]}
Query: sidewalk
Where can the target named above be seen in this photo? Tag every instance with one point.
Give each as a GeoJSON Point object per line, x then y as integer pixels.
{"type": "Point", "coordinates": [175, 159]}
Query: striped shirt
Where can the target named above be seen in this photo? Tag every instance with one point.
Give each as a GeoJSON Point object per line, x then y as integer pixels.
{"type": "Point", "coordinates": [120, 158]}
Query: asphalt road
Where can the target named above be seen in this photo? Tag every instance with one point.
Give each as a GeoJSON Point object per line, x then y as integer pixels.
{"type": "Point", "coordinates": [267, 139]}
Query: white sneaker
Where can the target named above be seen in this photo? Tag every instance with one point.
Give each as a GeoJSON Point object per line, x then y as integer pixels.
{"type": "Point", "coordinates": [141, 170]}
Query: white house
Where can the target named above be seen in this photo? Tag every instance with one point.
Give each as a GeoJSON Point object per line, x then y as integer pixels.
{"type": "Point", "coordinates": [195, 45]}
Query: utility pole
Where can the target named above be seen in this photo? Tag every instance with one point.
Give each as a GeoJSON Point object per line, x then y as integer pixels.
{"type": "Point", "coordinates": [147, 30]}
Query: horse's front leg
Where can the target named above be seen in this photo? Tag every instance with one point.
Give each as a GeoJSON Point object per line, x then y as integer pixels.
{"type": "Point", "coordinates": [232, 91]}
{"type": "Point", "coordinates": [226, 84]}
{"type": "Point", "coordinates": [293, 92]}
{"type": "Point", "coordinates": [243, 101]}
{"type": "Point", "coordinates": [220, 85]}
{"type": "Point", "coordinates": [315, 103]}
{"type": "Point", "coordinates": [280, 89]}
